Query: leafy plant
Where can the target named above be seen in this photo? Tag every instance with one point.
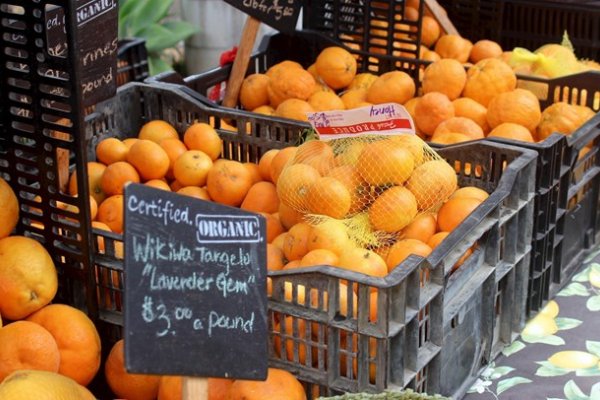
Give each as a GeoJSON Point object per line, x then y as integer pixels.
{"type": "Point", "coordinates": [149, 19]}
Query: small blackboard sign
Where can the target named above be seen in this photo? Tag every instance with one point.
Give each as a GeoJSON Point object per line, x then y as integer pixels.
{"type": "Point", "coordinates": [279, 14]}
{"type": "Point", "coordinates": [97, 22]}
{"type": "Point", "coordinates": [195, 287]}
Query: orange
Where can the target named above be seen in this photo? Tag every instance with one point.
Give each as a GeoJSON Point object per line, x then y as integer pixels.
{"type": "Point", "coordinates": [519, 106]}
{"type": "Point", "coordinates": [488, 78]}
{"type": "Point", "coordinates": [469, 108]}
{"type": "Point", "coordinates": [262, 196]}
{"type": "Point", "coordinates": [131, 141]}
{"type": "Point", "coordinates": [174, 148]}
{"type": "Point", "coordinates": [393, 86]}
{"type": "Point", "coordinates": [421, 228]}
{"type": "Point", "coordinates": [171, 387]}
{"type": "Point", "coordinates": [26, 345]}
{"type": "Point", "coordinates": [28, 278]}
{"type": "Point", "coordinates": [449, 138]}
{"type": "Point", "coordinates": [319, 257]}
{"type": "Point", "coordinates": [354, 98]}
{"type": "Point", "coordinates": [275, 258]}
{"type": "Point", "coordinates": [431, 183]}
{"type": "Point", "coordinates": [484, 49]}
{"type": "Point", "coordinates": [116, 176]}
{"type": "Point", "coordinates": [329, 235]}
{"type": "Point", "coordinates": [439, 238]}
{"type": "Point", "coordinates": [288, 216]}
{"type": "Point", "coordinates": [195, 191]}
{"type": "Point", "coordinates": [509, 130]}
{"type": "Point", "coordinates": [149, 159]}
{"type": "Point", "coordinates": [430, 31]}
{"type": "Point", "coordinates": [77, 338]}
{"type": "Point", "coordinates": [290, 83]}
{"type": "Point", "coordinates": [563, 118]}
{"type": "Point", "coordinates": [158, 184]}
{"type": "Point", "coordinates": [95, 171]}
{"type": "Point", "coordinates": [404, 248]}
{"type": "Point", "coordinates": [127, 385]}
{"type": "Point", "coordinates": [385, 162]}
{"type": "Point", "coordinates": [111, 150]}
{"type": "Point", "coordinates": [265, 110]}
{"type": "Point", "coordinates": [336, 66]}
{"type": "Point", "coordinates": [462, 125]}
{"type": "Point", "coordinates": [453, 46]}
{"type": "Point", "coordinates": [110, 212]}
{"type": "Point", "coordinates": [274, 227]}
{"type": "Point", "coordinates": [294, 184]}
{"type": "Point", "coordinates": [280, 160]}
{"type": "Point", "coordinates": [446, 76]}
{"type": "Point", "coordinates": [264, 164]}
{"type": "Point", "coordinates": [203, 137]}
{"type": "Point", "coordinates": [360, 196]}
{"type": "Point", "coordinates": [470, 191]}
{"type": "Point", "coordinates": [294, 109]}
{"type": "Point", "coordinates": [364, 80]}
{"type": "Point", "coordinates": [316, 153]}
{"type": "Point", "coordinates": [157, 130]}
{"type": "Point", "coordinates": [274, 70]}
{"type": "Point", "coordinates": [328, 196]}
{"type": "Point", "coordinates": [295, 244]}
{"type": "Point", "coordinates": [279, 385]}
{"type": "Point", "coordinates": [101, 226]}
{"type": "Point", "coordinates": [253, 92]}
{"type": "Point", "coordinates": [429, 55]}
{"type": "Point", "coordinates": [254, 171]}
{"type": "Point", "coordinates": [454, 211]}
{"type": "Point", "coordinates": [228, 182]}
{"type": "Point", "coordinates": [325, 101]}
{"type": "Point", "coordinates": [431, 110]}
{"type": "Point", "coordinates": [192, 167]}
{"type": "Point", "coordinates": [364, 261]}
{"type": "Point", "coordinates": [393, 210]}
{"type": "Point", "coordinates": [9, 211]}
{"type": "Point", "coordinates": [42, 385]}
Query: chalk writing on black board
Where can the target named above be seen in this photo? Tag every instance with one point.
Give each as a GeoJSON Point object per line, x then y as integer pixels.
{"type": "Point", "coordinates": [93, 9]}
{"type": "Point", "coordinates": [280, 14]}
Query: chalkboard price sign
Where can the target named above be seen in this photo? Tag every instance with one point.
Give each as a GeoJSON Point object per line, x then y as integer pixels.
{"type": "Point", "coordinates": [280, 14]}
{"type": "Point", "coordinates": [195, 287]}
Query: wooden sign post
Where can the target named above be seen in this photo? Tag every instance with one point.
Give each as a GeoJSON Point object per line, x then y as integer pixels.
{"type": "Point", "coordinates": [195, 289]}
{"type": "Point", "coordinates": [280, 14]}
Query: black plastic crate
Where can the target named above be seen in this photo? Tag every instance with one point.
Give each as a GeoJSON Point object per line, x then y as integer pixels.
{"type": "Point", "coordinates": [529, 23]}
{"type": "Point", "coordinates": [132, 63]}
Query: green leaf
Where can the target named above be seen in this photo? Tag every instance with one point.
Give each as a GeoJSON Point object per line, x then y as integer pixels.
{"type": "Point", "coordinates": [501, 371]}
{"type": "Point", "coordinates": [553, 398]}
{"type": "Point", "coordinates": [572, 392]}
{"type": "Point", "coordinates": [515, 347]}
{"type": "Point", "coordinates": [156, 65]}
{"type": "Point", "coordinates": [595, 393]}
{"type": "Point", "coordinates": [593, 371]}
{"type": "Point", "coordinates": [594, 267]}
{"type": "Point", "coordinates": [593, 347]}
{"type": "Point", "coordinates": [573, 289]}
{"type": "Point", "coordinates": [582, 276]}
{"type": "Point", "coordinates": [567, 323]}
{"type": "Point", "coordinates": [157, 38]}
{"type": "Point", "coordinates": [127, 12]}
{"type": "Point", "coordinates": [506, 384]}
{"type": "Point", "coordinates": [181, 29]}
{"type": "Point", "coordinates": [551, 340]}
{"type": "Point", "coordinates": [593, 303]}
{"type": "Point", "coordinates": [547, 369]}
{"type": "Point", "coordinates": [152, 13]}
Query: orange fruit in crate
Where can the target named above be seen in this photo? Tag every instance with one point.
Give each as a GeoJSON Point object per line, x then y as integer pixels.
{"type": "Point", "coordinates": [149, 159]}
{"type": "Point", "coordinates": [430, 31]}
{"type": "Point", "coordinates": [294, 184]}
{"type": "Point", "coordinates": [462, 125]}
{"type": "Point", "coordinates": [446, 76]}
{"type": "Point", "coordinates": [77, 338]}
{"type": "Point", "coordinates": [9, 211]}
{"type": "Point", "coordinates": [26, 345]}
{"type": "Point", "coordinates": [110, 212]}
{"type": "Point", "coordinates": [264, 164]}
{"type": "Point", "coordinates": [170, 388]}
{"type": "Point", "coordinates": [364, 80]}
{"type": "Point", "coordinates": [317, 154]}
{"type": "Point", "coordinates": [124, 384]}
{"type": "Point", "coordinates": [253, 92]}
{"type": "Point", "coordinates": [116, 176]}
{"type": "Point", "coordinates": [262, 196]}
{"type": "Point", "coordinates": [274, 71]}
{"type": "Point", "coordinates": [279, 385]}
{"type": "Point", "coordinates": [393, 210]}
{"type": "Point", "coordinates": [157, 130]}
{"type": "Point", "coordinates": [254, 171]}
{"type": "Point", "coordinates": [488, 78]}
{"type": "Point", "coordinates": [431, 183]}
{"type": "Point", "coordinates": [336, 66]}
{"type": "Point", "coordinates": [364, 261]}
{"type": "Point", "coordinates": [111, 150]}
{"type": "Point", "coordinates": [454, 211]}
{"type": "Point", "coordinates": [430, 55]}
{"type": "Point", "coordinates": [195, 191]}
{"type": "Point", "coordinates": [288, 216]}
{"type": "Point", "coordinates": [280, 160]}
{"type": "Point", "coordinates": [294, 109]}
{"type": "Point", "coordinates": [290, 83]}
{"type": "Point", "coordinates": [394, 86]}
{"type": "Point", "coordinates": [562, 118]}
{"type": "Point", "coordinates": [287, 328]}
{"type": "Point", "coordinates": [325, 101]}
{"type": "Point", "coordinates": [449, 138]}
{"type": "Point", "coordinates": [353, 98]}
{"type": "Point", "coordinates": [469, 108]}
{"type": "Point", "coordinates": [265, 110]}
{"type": "Point", "coordinates": [329, 235]}
{"type": "Point", "coordinates": [295, 243]}
{"type": "Point", "coordinates": [228, 182]}
{"type": "Point", "coordinates": [432, 109]}
{"type": "Point", "coordinates": [385, 162]}
{"type": "Point", "coordinates": [356, 186]}
{"type": "Point", "coordinates": [192, 167]}
{"type": "Point", "coordinates": [470, 191]}
{"type": "Point", "coordinates": [403, 248]}
{"type": "Point", "coordinates": [28, 278]}
{"type": "Point", "coordinates": [519, 106]}
{"type": "Point", "coordinates": [453, 46]}
{"type": "Point", "coordinates": [274, 226]}
{"type": "Point", "coordinates": [203, 137]}
{"type": "Point", "coordinates": [130, 141]}
{"type": "Point", "coordinates": [509, 130]}
{"type": "Point", "coordinates": [438, 238]}
{"type": "Point", "coordinates": [95, 171]}
{"type": "Point", "coordinates": [319, 257]}
{"type": "Point", "coordinates": [328, 196]}
{"type": "Point", "coordinates": [102, 226]}
{"type": "Point", "coordinates": [42, 385]}
{"type": "Point", "coordinates": [275, 258]}
{"type": "Point", "coordinates": [484, 49]}
{"type": "Point", "coordinates": [158, 184]}
{"type": "Point", "coordinates": [422, 228]}
{"type": "Point", "coordinates": [174, 148]}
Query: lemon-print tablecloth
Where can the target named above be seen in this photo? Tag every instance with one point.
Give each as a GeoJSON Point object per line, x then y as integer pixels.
{"type": "Point", "coordinates": [557, 355]}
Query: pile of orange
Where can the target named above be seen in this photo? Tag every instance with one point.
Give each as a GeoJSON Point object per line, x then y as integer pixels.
{"type": "Point", "coordinates": [37, 335]}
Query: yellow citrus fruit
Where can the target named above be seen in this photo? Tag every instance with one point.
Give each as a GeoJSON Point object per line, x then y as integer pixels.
{"type": "Point", "coordinates": [541, 325]}
{"type": "Point", "coordinates": [42, 385]}
{"type": "Point", "coordinates": [551, 309]}
{"type": "Point", "coordinates": [573, 359]}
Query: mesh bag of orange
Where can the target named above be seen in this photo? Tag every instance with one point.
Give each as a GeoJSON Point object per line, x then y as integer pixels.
{"type": "Point", "coordinates": [375, 184]}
